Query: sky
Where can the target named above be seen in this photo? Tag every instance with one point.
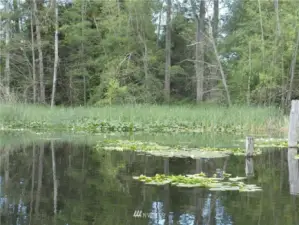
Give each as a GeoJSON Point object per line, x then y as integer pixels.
{"type": "Point", "coordinates": [209, 8]}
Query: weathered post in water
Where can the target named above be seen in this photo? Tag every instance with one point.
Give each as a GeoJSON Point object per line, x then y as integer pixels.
{"type": "Point", "coordinates": [249, 146]}
{"type": "Point", "coordinates": [293, 124]}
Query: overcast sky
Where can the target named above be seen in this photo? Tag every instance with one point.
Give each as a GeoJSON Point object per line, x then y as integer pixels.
{"type": "Point", "coordinates": [209, 8]}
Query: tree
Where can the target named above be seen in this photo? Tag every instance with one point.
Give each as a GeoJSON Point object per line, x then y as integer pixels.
{"type": "Point", "coordinates": [55, 7]}
{"type": "Point", "coordinates": [199, 51]}
{"type": "Point", "coordinates": [168, 53]}
{"type": "Point", "coordinates": [40, 52]}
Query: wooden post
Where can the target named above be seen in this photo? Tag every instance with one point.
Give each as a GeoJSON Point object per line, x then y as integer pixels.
{"type": "Point", "coordinates": [293, 124]}
{"type": "Point", "coordinates": [249, 146]}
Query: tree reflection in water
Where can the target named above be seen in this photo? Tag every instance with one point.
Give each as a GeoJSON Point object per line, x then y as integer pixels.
{"type": "Point", "coordinates": [97, 188]}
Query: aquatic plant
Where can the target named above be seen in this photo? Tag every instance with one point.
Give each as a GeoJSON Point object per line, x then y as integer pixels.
{"type": "Point", "coordinates": [134, 118]}
{"type": "Point", "coordinates": [214, 183]}
{"type": "Point", "coordinates": [169, 151]}
{"type": "Point", "coordinates": [270, 143]}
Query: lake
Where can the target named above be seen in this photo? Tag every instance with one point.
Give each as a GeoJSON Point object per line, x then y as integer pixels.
{"type": "Point", "coordinates": [63, 179]}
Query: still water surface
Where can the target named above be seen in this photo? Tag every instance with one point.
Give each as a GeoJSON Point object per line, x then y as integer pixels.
{"type": "Point", "coordinates": [84, 186]}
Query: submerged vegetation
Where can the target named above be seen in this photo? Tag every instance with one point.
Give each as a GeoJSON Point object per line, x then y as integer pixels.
{"type": "Point", "coordinates": [146, 118]}
{"type": "Point", "coordinates": [224, 183]}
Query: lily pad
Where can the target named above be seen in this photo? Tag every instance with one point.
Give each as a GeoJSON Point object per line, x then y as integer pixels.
{"type": "Point", "coordinates": [250, 189]}
{"type": "Point", "coordinates": [237, 178]}
{"type": "Point", "coordinates": [188, 185]}
{"type": "Point", "coordinates": [199, 180]}
{"type": "Point", "coordinates": [225, 188]}
{"type": "Point", "coordinates": [155, 149]}
{"type": "Point", "coordinates": [160, 183]}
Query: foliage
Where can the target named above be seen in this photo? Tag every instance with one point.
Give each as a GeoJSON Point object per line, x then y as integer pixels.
{"type": "Point", "coordinates": [113, 53]}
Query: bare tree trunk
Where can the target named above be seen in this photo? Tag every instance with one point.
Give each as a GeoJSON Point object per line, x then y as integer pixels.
{"type": "Point", "coordinates": [213, 79]}
{"type": "Point", "coordinates": [20, 19]}
{"type": "Point", "coordinates": [40, 54]}
{"type": "Point", "coordinates": [168, 53]}
{"type": "Point", "coordinates": [199, 50]}
{"type": "Point", "coordinates": [292, 69]}
{"type": "Point", "coordinates": [221, 69]}
{"type": "Point", "coordinates": [7, 56]}
{"type": "Point", "coordinates": [82, 47]}
{"type": "Point", "coordinates": [278, 40]}
{"type": "Point", "coordinates": [283, 85]}
{"type": "Point", "coordinates": [262, 31]}
{"type": "Point", "coordinates": [159, 23]}
{"type": "Point", "coordinates": [33, 58]}
{"type": "Point", "coordinates": [84, 89]}
{"type": "Point", "coordinates": [145, 65]}
{"type": "Point", "coordinates": [215, 19]}
{"type": "Point", "coordinates": [249, 75]}
{"type": "Point", "coordinates": [120, 5]}
{"type": "Point", "coordinates": [277, 17]}
{"type": "Point", "coordinates": [56, 55]}
{"type": "Point", "coordinates": [1, 78]}
{"type": "Point", "coordinates": [16, 20]}
{"type": "Point", "coordinates": [70, 89]}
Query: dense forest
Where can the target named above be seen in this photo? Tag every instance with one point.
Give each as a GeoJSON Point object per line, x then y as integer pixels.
{"type": "Point", "coordinates": [94, 52]}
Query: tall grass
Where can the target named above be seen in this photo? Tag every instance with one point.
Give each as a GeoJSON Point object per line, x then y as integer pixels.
{"type": "Point", "coordinates": [249, 118]}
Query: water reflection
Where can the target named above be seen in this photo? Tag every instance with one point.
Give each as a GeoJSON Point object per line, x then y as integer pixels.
{"type": "Point", "coordinates": [293, 171]}
{"type": "Point", "coordinates": [249, 169]}
{"type": "Point", "coordinates": [83, 186]}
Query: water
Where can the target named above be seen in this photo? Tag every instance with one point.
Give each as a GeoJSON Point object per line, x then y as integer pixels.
{"type": "Point", "coordinates": [97, 187]}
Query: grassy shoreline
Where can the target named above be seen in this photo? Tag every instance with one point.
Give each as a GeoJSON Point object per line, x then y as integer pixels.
{"type": "Point", "coordinates": [152, 118]}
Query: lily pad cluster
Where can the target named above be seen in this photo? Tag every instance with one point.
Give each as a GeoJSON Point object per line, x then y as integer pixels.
{"type": "Point", "coordinates": [224, 183]}
{"type": "Point", "coordinates": [270, 142]}
{"type": "Point", "coordinates": [170, 151]}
